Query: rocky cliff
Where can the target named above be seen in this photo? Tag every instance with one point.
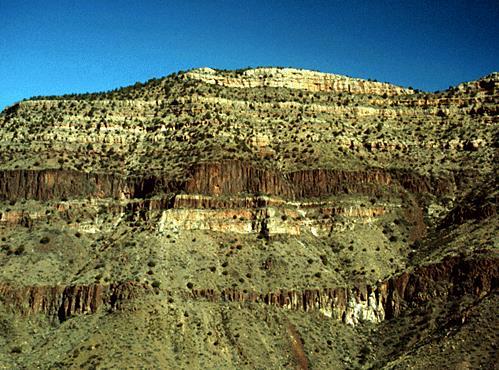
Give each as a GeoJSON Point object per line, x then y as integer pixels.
{"type": "Point", "coordinates": [453, 277]}
{"type": "Point", "coordinates": [227, 178]}
{"type": "Point", "coordinates": [63, 302]}
{"type": "Point", "coordinates": [244, 215]}
{"type": "Point", "coordinates": [296, 79]}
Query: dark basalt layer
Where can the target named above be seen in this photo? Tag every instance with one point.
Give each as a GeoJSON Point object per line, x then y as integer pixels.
{"type": "Point", "coordinates": [65, 301]}
{"type": "Point", "coordinates": [228, 178]}
{"type": "Point", "coordinates": [452, 277]}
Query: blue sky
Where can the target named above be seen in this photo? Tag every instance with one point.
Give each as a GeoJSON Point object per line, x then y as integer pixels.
{"type": "Point", "coordinates": [55, 46]}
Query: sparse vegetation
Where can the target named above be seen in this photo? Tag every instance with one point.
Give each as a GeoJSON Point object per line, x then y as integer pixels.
{"type": "Point", "coordinates": [119, 239]}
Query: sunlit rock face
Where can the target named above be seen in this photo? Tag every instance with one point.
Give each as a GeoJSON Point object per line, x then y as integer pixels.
{"type": "Point", "coordinates": [293, 216]}
{"type": "Point", "coordinates": [296, 79]}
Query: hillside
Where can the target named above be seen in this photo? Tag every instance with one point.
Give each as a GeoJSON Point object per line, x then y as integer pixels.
{"type": "Point", "coordinates": [259, 218]}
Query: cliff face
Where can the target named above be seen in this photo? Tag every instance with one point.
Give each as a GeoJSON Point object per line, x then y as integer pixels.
{"type": "Point", "coordinates": [168, 126]}
{"type": "Point", "coordinates": [296, 79]}
{"type": "Point", "coordinates": [267, 218]}
{"type": "Point", "coordinates": [64, 302]}
{"type": "Point", "coordinates": [206, 205]}
{"type": "Point", "coordinates": [57, 184]}
{"type": "Point", "coordinates": [478, 204]}
{"type": "Point", "coordinates": [227, 178]}
{"type": "Point", "coordinates": [453, 277]}
{"type": "Point", "coordinates": [225, 212]}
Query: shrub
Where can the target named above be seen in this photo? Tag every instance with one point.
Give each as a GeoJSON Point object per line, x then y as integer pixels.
{"type": "Point", "coordinates": [19, 250]}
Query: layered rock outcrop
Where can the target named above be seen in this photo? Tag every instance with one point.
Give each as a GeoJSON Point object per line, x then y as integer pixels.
{"type": "Point", "coordinates": [259, 214]}
{"type": "Point", "coordinates": [226, 178]}
{"type": "Point", "coordinates": [66, 301]}
{"type": "Point", "coordinates": [229, 194]}
{"type": "Point", "coordinates": [295, 79]}
{"type": "Point", "coordinates": [479, 204]}
{"type": "Point", "coordinates": [452, 277]}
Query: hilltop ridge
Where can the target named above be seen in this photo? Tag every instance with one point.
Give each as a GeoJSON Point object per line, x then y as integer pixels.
{"type": "Point", "coordinates": [213, 75]}
{"type": "Point", "coordinates": [255, 123]}
{"type": "Point", "coordinates": [295, 79]}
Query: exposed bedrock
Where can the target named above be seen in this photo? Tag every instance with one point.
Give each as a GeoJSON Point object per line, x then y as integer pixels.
{"type": "Point", "coordinates": [65, 301]}
{"type": "Point", "coordinates": [296, 79]}
{"type": "Point", "coordinates": [191, 213]}
{"type": "Point", "coordinates": [227, 178]}
{"type": "Point", "coordinates": [238, 177]}
{"type": "Point", "coordinates": [480, 203]}
{"type": "Point", "coordinates": [59, 183]}
{"type": "Point", "coordinates": [195, 207]}
{"type": "Point", "coordinates": [451, 278]}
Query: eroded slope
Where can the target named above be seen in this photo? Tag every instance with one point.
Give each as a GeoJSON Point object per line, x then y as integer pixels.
{"type": "Point", "coordinates": [259, 218]}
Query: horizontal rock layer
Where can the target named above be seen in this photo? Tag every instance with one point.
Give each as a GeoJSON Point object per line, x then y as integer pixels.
{"type": "Point", "coordinates": [454, 276]}
{"type": "Point", "coordinates": [479, 204]}
{"type": "Point", "coordinates": [295, 79]}
{"type": "Point", "coordinates": [270, 220]}
{"type": "Point", "coordinates": [227, 178]}
{"type": "Point", "coordinates": [65, 301]}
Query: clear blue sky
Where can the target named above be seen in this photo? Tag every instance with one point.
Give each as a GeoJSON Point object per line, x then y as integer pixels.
{"type": "Point", "coordinates": [62, 46]}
